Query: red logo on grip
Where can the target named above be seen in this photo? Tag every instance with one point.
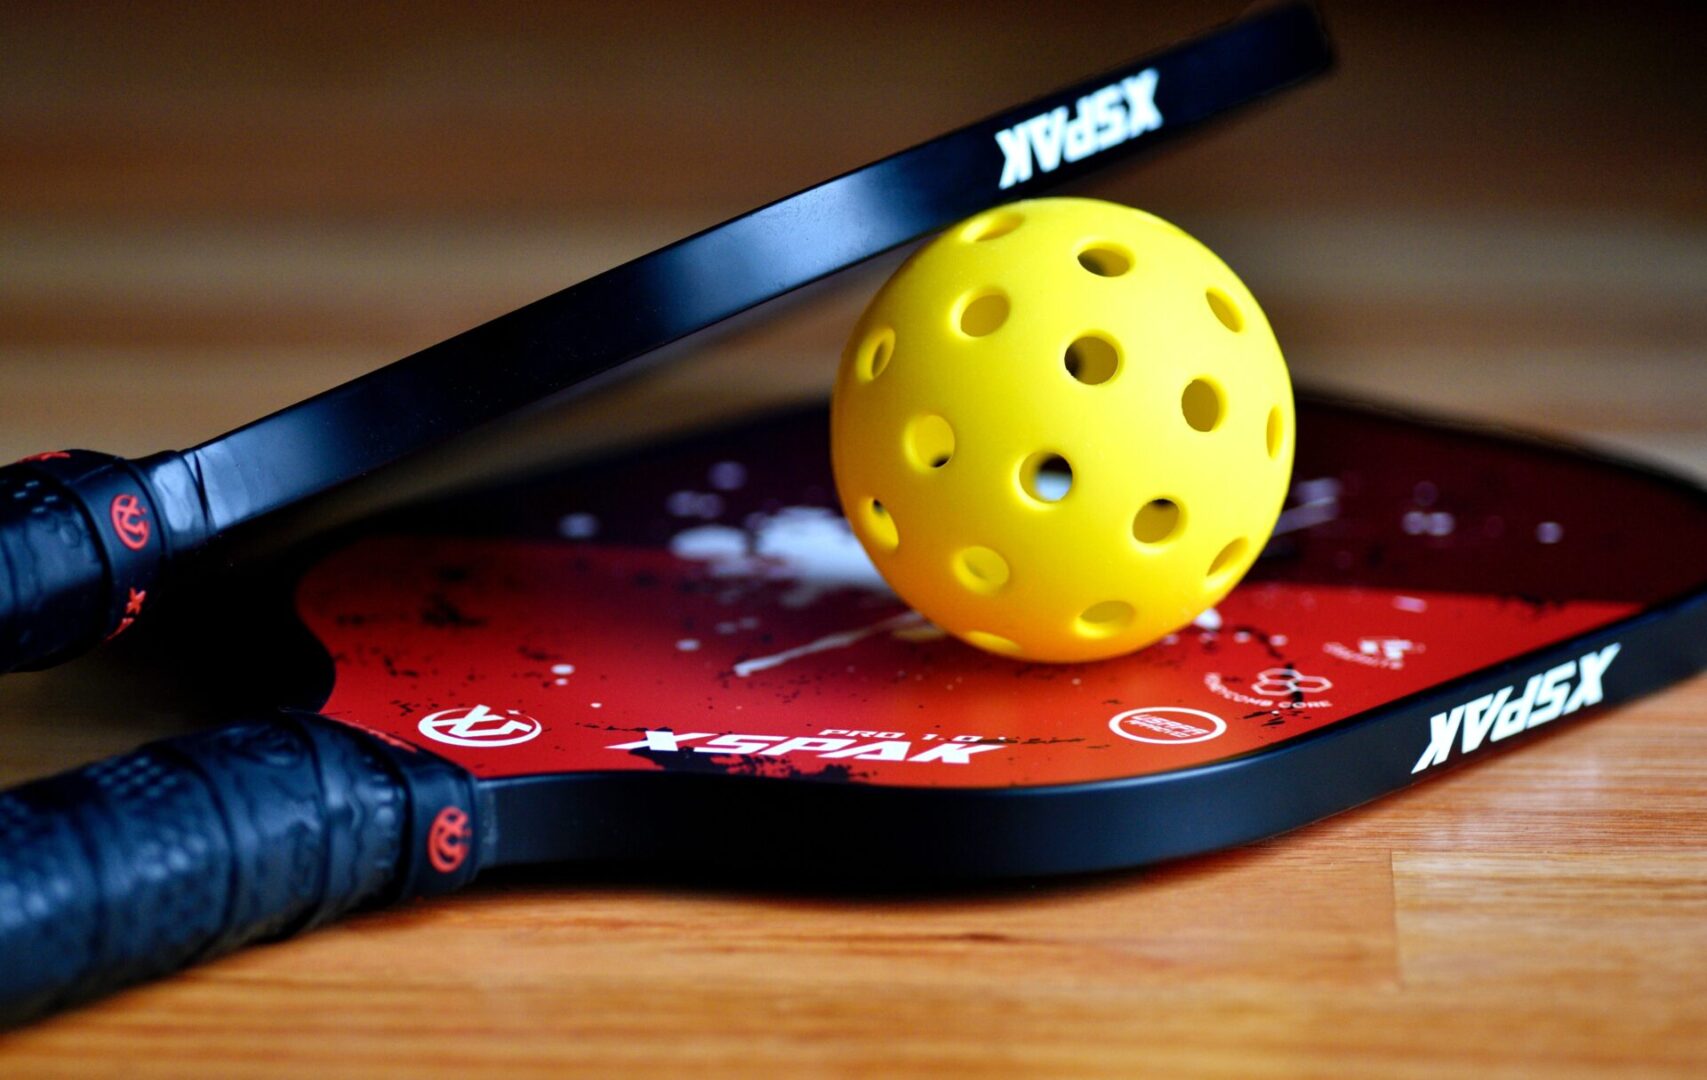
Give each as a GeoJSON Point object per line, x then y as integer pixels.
{"type": "Point", "coordinates": [447, 840]}
{"type": "Point", "coordinates": [132, 608]}
{"type": "Point", "coordinates": [46, 455]}
{"type": "Point", "coordinates": [130, 521]}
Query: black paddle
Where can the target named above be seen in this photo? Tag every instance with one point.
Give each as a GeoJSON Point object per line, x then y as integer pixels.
{"type": "Point", "coordinates": [88, 542]}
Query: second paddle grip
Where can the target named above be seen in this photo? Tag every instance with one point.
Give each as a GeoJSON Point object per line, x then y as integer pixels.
{"type": "Point", "coordinates": [190, 847]}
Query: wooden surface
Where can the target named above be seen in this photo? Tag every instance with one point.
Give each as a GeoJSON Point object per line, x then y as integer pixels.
{"type": "Point", "coordinates": [1496, 210]}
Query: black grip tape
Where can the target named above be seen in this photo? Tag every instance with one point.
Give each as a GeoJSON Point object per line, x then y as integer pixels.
{"type": "Point", "coordinates": [53, 579]}
{"type": "Point", "coordinates": [83, 542]}
{"type": "Point", "coordinates": [191, 847]}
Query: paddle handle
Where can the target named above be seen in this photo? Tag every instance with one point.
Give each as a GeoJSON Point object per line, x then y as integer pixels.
{"type": "Point", "coordinates": [190, 847]}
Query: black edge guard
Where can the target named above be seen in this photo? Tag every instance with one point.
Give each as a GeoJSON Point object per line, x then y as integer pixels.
{"type": "Point", "coordinates": [85, 538]}
{"type": "Point", "coordinates": [190, 847]}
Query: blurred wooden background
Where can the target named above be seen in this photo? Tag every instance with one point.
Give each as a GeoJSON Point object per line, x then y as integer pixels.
{"type": "Point", "coordinates": [1500, 210]}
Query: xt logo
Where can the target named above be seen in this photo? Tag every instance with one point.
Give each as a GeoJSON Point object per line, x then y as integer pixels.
{"type": "Point", "coordinates": [479, 726]}
{"type": "Point", "coordinates": [130, 521]}
{"type": "Point", "coordinates": [1106, 118]}
{"type": "Point", "coordinates": [1285, 681]}
{"type": "Point", "coordinates": [447, 839]}
{"type": "Point", "coordinates": [1497, 716]}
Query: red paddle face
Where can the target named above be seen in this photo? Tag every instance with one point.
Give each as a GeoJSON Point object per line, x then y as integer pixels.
{"type": "Point", "coordinates": [691, 600]}
{"type": "Point", "coordinates": [515, 657]}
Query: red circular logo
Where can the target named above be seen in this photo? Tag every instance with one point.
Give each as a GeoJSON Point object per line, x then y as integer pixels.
{"type": "Point", "coordinates": [447, 840]}
{"type": "Point", "coordinates": [130, 521]}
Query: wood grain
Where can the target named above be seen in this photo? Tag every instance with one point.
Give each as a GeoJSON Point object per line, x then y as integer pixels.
{"type": "Point", "coordinates": [1496, 211]}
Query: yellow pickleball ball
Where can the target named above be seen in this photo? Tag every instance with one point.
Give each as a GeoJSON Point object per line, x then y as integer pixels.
{"type": "Point", "coordinates": [1062, 429]}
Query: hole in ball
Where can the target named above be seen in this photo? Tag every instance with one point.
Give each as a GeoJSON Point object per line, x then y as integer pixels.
{"type": "Point", "coordinates": [983, 314]}
{"type": "Point", "coordinates": [992, 226]}
{"type": "Point", "coordinates": [1225, 310]}
{"type": "Point", "coordinates": [993, 642]}
{"type": "Point", "coordinates": [981, 570]}
{"type": "Point", "coordinates": [879, 526]}
{"type": "Point", "coordinates": [1158, 520]}
{"type": "Point", "coordinates": [1092, 359]}
{"type": "Point", "coordinates": [1228, 557]}
{"type": "Point", "coordinates": [874, 353]}
{"type": "Point", "coordinates": [1105, 260]}
{"type": "Point", "coordinates": [929, 441]}
{"type": "Point", "coordinates": [1108, 617]}
{"type": "Point", "coordinates": [1202, 405]}
{"type": "Point", "coordinates": [1046, 477]}
{"type": "Point", "coordinates": [1275, 432]}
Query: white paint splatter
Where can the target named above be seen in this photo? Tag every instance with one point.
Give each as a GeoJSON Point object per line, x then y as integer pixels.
{"type": "Point", "coordinates": [806, 545]}
{"type": "Point", "coordinates": [1209, 620]}
{"type": "Point", "coordinates": [728, 475]}
{"type": "Point", "coordinates": [563, 669]}
{"type": "Point", "coordinates": [1436, 523]}
{"type": "Point", "coordinates": [1318, 502]}
{"type": "Point", "coordinates": [709, 543]}
{"type": "Point", "coordinates": [578, 526]}
{"type": "Point", "coordinates": [1410, 603]}
{"type": "Point", "coordinates": [1549, 532]}
{"type": "Point", "coordinates": [687, 644]}
{"type": "Point", "coordinates": [812, 550]}
{"type": "Point", "coordinates": [818, 551]}
{"type": "Point", "coordinates": [699, 504]}
{"type": "Point", "coordinates": [840, 640]}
